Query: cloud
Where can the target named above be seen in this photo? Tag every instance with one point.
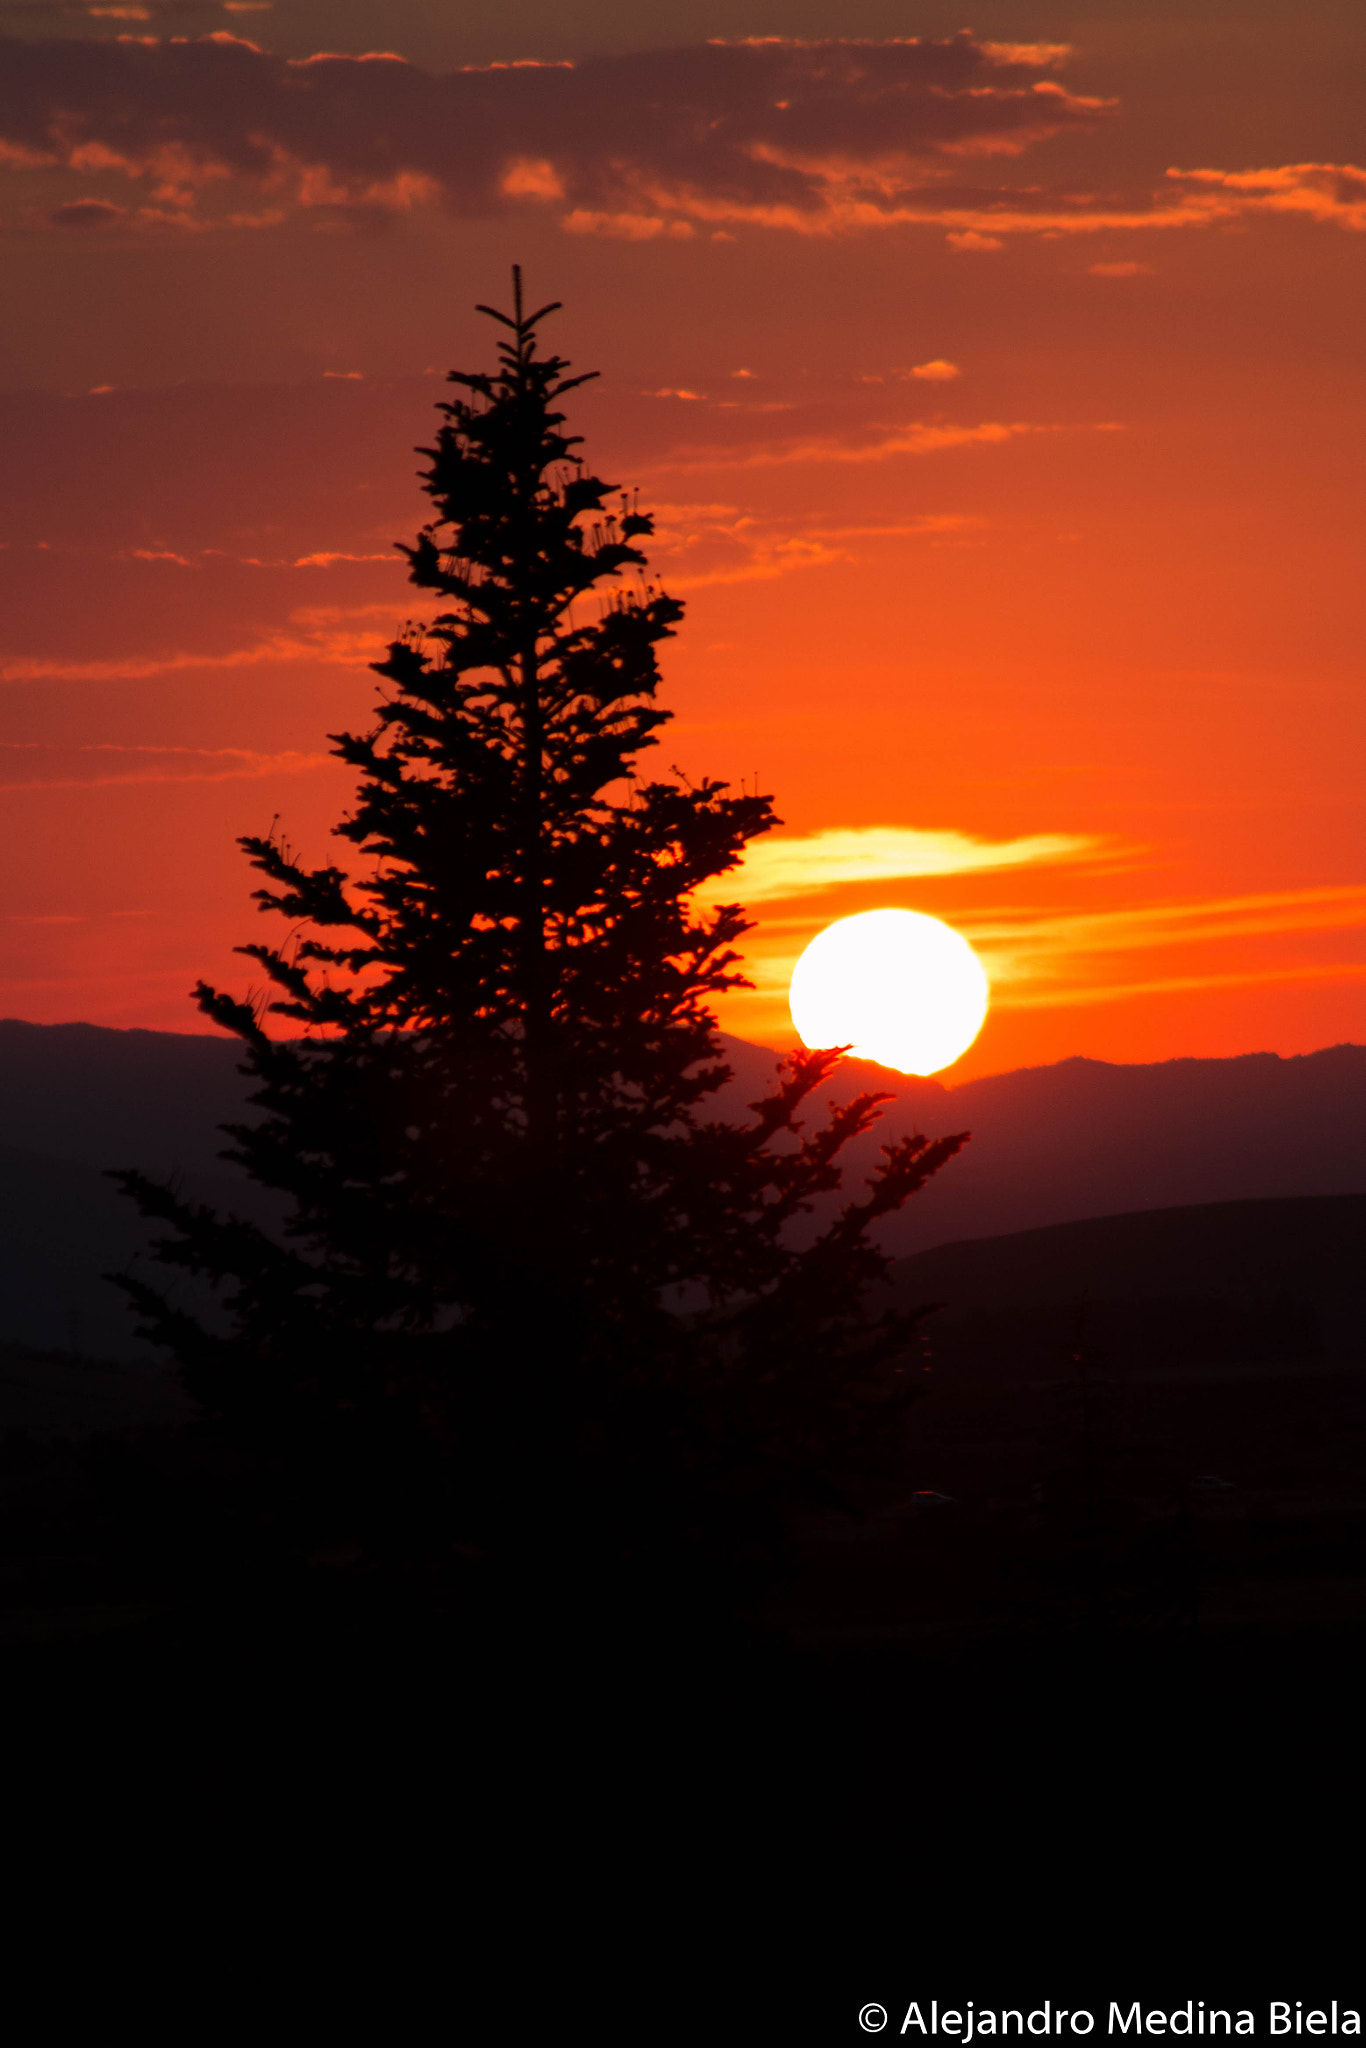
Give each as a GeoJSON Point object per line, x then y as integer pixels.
{"type": "Point", "coordinates": [626, 227]}
{"type": "Point", "coordinates": [811, 137]}
{"type": "Point", "coordinates": [1061, 960]}
{"type": "Point", "coordinates": [331, 635]}
{"type": "Point", "coordinates": [155, 765]}
{"type": "Point", "coordinates": [773, 131]}
{"type": "Point", "coordinates": [327, 558]}
{"type": "Point", "coordinates": [917, 437]}
{"type": "Point", "coordinates": [1322, 192]}
{"type": "Point", "coordinates": [1186, 984]}
{"type": "Point", "coordinates": [777, 868]}
{"type": "Point", "coordinates": [928, 522]}
{"type": "Point", "coordinates": [322, 558]}
{"type": "Point", "coordinates": [1121, 269]}
{"type": "Point", "coordinates": [698, 545]}
{"type": "Point", "coordinates": [764, 560]}
{"type": "Point", "coordinates": [937, 372]}
{"type": "Point", "coordinates": [1334, 907]}
{"type": "Point", "coordinates": [121, 11]}
{"type": "Point", "coordinates": [87, 213]}
{"type": "Point", "coordinates": [1037, 962]}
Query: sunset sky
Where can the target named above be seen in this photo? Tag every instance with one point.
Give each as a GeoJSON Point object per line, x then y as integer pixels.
{"type": "Point", "coordinates": [998, 392]}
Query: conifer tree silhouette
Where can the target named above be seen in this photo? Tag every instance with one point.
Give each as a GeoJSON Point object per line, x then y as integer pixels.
{"type": "Point", "coordinates": [532, 1311]}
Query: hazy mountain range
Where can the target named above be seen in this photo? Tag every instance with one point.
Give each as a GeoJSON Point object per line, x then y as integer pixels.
{"type": "Point", "coordinates": [1050, 1145]}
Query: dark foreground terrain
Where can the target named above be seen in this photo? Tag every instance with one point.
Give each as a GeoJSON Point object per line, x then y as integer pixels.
{"type": "Point", "coordinates": [1143, 1426]}
{"type": "Point", "coordinates": [1063, 1704]}
{"type": "Point", "coordinates": [1192, 1503]}
{"type": "Point", "coordinates": [1206, 1500]}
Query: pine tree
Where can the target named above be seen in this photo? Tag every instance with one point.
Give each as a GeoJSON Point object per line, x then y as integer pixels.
{"type": "Point", "coordinates": [533, 1310]}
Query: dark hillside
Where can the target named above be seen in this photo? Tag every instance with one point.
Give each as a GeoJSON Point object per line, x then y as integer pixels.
{"type": "Point", "coordinates": [1050, 1145]}
{"type": "Point", "coordinates": [1225, 1283]}
{"type": "Point", "coordinates": [1148, 1427]}
{"type": "Point", "coordinates": [62, 1226]}
{"type": "Point", "coordinates": [75, 1099]}
{"type": "Point", "coordinates": [118, 1098]}
{"type": "Point", "coordinates": [1083, 1138]}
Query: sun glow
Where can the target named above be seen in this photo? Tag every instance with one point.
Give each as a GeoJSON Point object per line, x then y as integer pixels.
{"type": "Point", "coordinates": [894, 986]}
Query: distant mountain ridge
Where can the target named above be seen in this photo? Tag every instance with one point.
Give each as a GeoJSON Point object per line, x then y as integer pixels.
{"type": "Point", "coordinates": [1050, 1145]}
{"type": "Point", "coordinates": [1085, 1138]}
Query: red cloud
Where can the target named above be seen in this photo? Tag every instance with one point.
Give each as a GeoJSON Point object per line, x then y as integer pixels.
{"type": "Point", "coordinates": [87, 213]}
{"type": "Point", "coordinates": [1328, 192]}
{"type": "Point", "coordinates": [774, 130]}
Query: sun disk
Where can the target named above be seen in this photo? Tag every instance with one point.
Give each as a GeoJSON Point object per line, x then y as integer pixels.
{"type": "Point", "coordinates": [894, 986]}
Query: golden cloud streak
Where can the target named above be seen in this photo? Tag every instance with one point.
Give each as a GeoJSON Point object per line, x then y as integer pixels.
{"type": "Point", "coordinates": [1337, 907]}
{"type": "Point", "coordinates": [783, 868]}
{"type": "Point", "coordinates": [1178, 984]}
{"type": "Point", "coordinates": [1051, 961]}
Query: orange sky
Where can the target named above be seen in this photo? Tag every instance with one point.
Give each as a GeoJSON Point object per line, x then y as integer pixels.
{"type": "Point", "coordinates": [1010, 469]}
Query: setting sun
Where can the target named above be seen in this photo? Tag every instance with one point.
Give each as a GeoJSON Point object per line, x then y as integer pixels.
{"type": "Point", "coordinates": [893, 985]}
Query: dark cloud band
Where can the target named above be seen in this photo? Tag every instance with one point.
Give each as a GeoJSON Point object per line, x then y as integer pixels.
{"type": "Point", "coordinates": [763, 126]}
